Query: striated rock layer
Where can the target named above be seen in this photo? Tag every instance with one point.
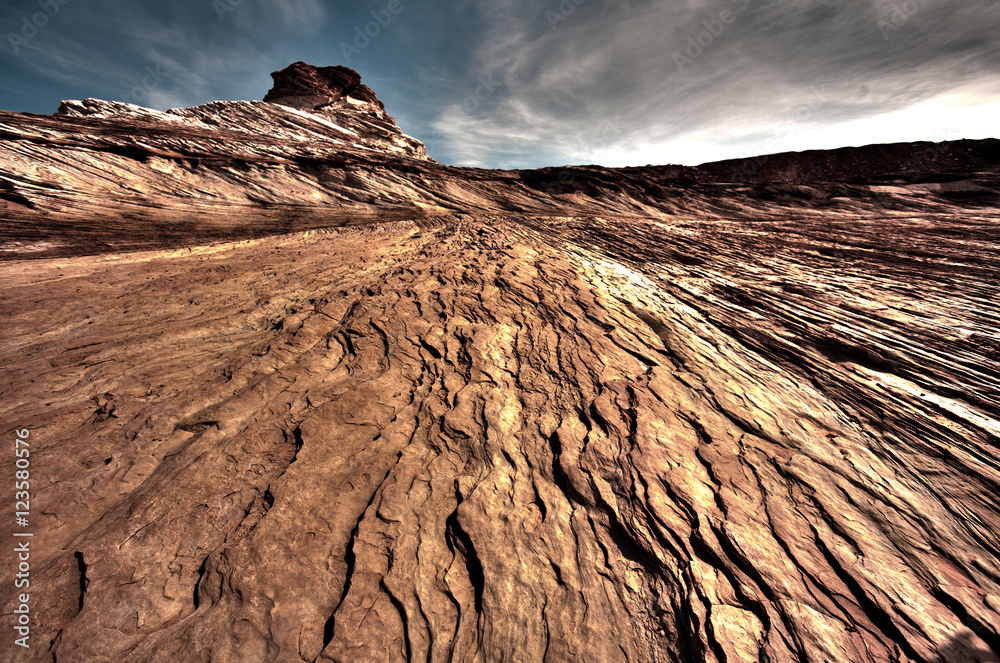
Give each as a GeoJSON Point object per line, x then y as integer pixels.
{"type": "Point", "coordinates": [747, 425]}
{"type": "Point", "coordinates": [320, 151]}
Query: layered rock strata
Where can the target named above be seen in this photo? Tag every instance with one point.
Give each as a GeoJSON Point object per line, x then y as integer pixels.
{"type": "Point", "coordinates": [657, 414]}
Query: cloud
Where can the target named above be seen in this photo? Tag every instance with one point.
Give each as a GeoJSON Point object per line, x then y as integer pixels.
{"type": "Point", "coordinates": [653, 82]}
{"type": "Point", "coordinates": [513, 83]}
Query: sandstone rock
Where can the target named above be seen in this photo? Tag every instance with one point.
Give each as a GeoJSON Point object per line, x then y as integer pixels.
{"type": "Point", "coordinates": [337, 92]}
{"type": "Point", "coordinates": [582, 414]}
{"type": "Point", "coordinates": [303, 86]}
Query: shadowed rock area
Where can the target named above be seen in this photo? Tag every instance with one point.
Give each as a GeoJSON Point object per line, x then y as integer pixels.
{"type": "Point", "coordinates": [298, 395]}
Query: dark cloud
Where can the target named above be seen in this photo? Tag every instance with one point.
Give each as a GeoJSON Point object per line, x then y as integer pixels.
{"type": "Point", "coordinates": [514, 83]}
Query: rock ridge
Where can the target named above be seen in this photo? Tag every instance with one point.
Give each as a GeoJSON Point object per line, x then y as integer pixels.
{"type": "Point", "coordinates": [298, 394]}
{"type": "Point", "coordinates": [307, 87]}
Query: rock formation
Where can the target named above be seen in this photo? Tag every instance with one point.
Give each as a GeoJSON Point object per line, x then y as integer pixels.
{"type": "Point", "coordinates": [338, 92]}
{"type": "Point", "coordinates": [298, 397]}
{"type": "Point", "coordinates": [310, 88]}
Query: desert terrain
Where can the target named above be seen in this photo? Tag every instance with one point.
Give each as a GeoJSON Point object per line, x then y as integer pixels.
{"type": "Point", "coordinates": [298, 392]}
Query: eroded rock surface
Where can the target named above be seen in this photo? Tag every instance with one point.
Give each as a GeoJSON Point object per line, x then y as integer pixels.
{"type": "Point", "coordinates": [321, 151]}
{"type": "Point", "coordinates": [683, 420]}
{"type": "Point", "coordinates": [516, 439]}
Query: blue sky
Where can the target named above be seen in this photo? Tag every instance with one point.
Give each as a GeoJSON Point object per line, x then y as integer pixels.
{"type": "Point", "coordinates": [519, 84]}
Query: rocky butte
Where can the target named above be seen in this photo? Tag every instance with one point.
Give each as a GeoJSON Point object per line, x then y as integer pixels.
{"type": "Point", "coordinates": [297, 392]}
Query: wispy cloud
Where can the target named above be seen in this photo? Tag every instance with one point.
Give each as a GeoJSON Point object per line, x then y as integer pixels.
{"type": "Point", "coordinates": [516, 83]}
{"type": "Point", "coordinates": [724, 78]}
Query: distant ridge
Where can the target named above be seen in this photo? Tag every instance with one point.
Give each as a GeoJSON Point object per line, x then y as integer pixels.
{"type": "Point", "coordinates": [897, 163]}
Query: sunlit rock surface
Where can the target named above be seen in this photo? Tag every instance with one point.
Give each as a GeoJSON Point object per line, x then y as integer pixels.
{"type": "Point", "coordinates": [297, 398]}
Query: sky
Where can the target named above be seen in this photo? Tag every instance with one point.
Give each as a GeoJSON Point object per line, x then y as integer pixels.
{"type": "Point", "coordinates": [530, 83]}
